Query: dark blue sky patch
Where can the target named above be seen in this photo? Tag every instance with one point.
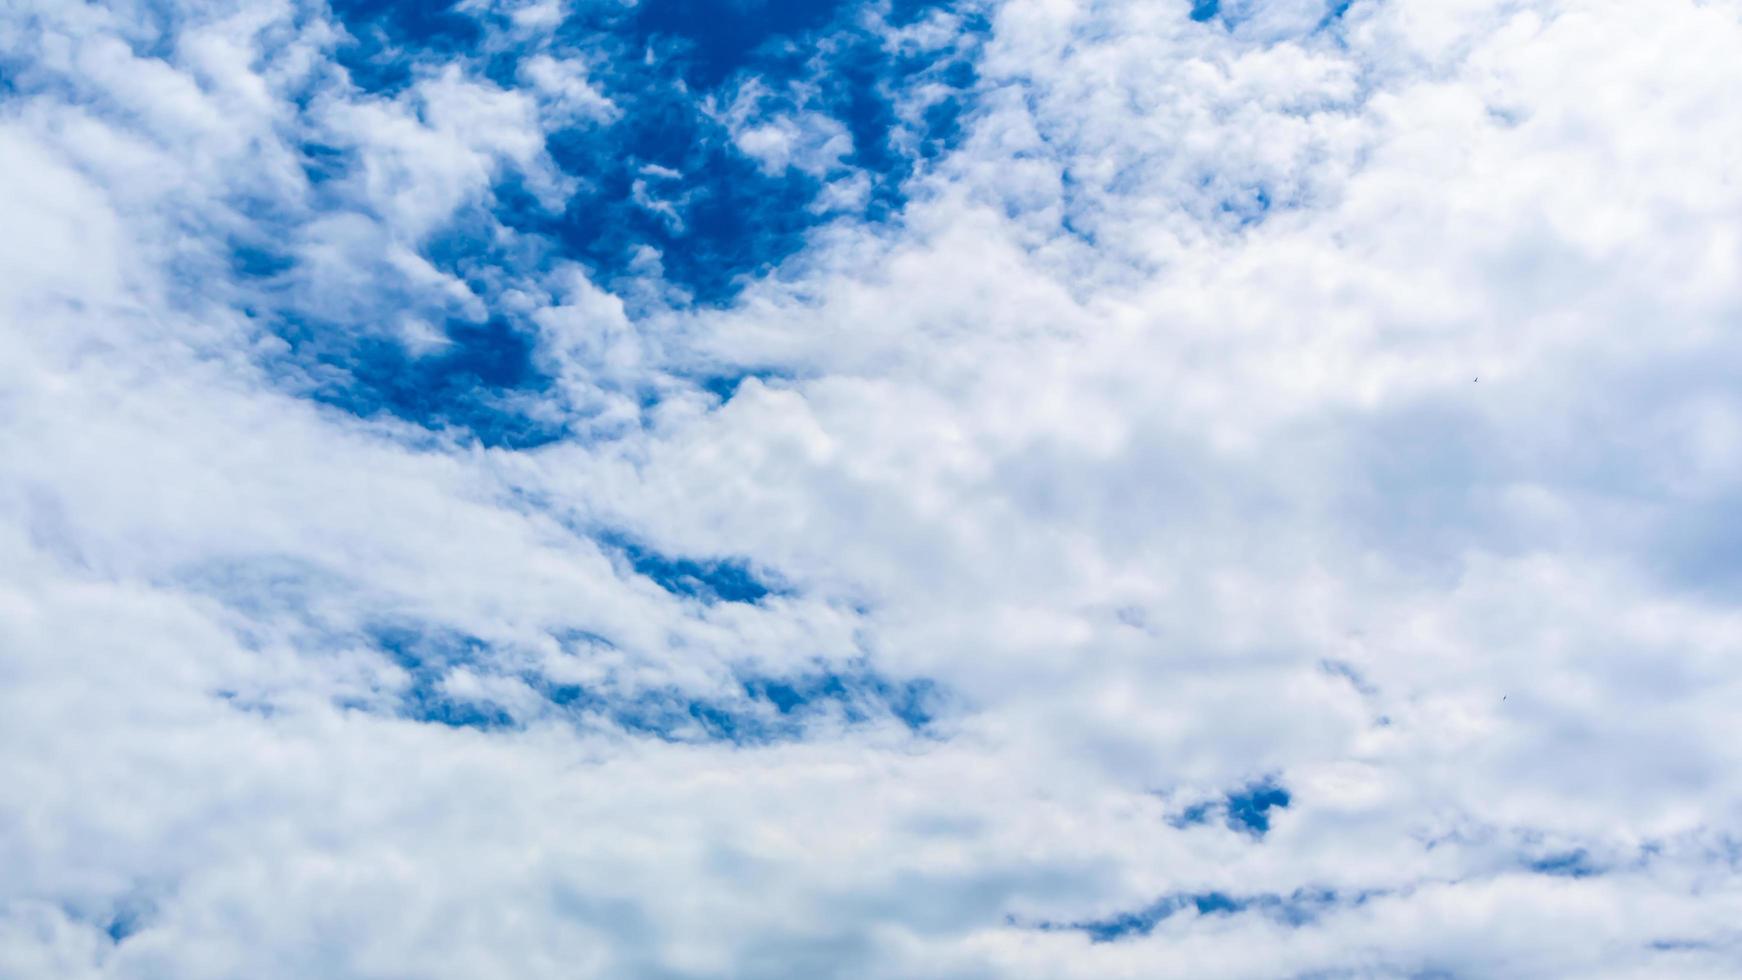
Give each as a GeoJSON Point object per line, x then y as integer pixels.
{"type": "Point", "coordinates": [1246, 810]}
{"type": "Point", "coordinates": [478, 383]}
{"type": "Point", "coordinates": [322, 163]}
{"type": "Point", "coordinates": [1298, 908]}
{"type": "Point", "coordinates": [662, 195]}
{"type": "Point", "coordinates": [1569, 864]}
{"type": "Point", "coordinates": [473, 247]}
{"type": "Point", "coordinates": [758, 709]}
{"type": "Point", "coordinates": [389, 37]}
{"type": "Point", "coordinates": [667, 715]}
{"type": "Point", "coordinates": [1235, 13]}
{"type": "Point", "coordinates": [429, 706]}
{"type": "Point", "coordinates": [121, 926]}
{"type": "Point", "coordinates": [707, 579]}
{"type": "Point", "coordinates": [1336, 11]}
{"type": "Point", "coordinates": [1191, 816]}
{"type": "Point", "coordinates": [130, 916]}
{"type": "Point", "coordinates": [860, 88]}
{"type": "Point", "coordinates": [425, 650]}
{"type": "Point", "coordinates": [860, 695]}
{"type": "Point", "coordinates": [428, 655]}
{"type": "Point", "coordinates": [427, 25]}
{"type": "Point", "coordinates": [767, 710]}
{"type": "Point", "coordinates": [1249, 809]}
{"type": "Point", "coordinates": [478, 379]}
{"type": "Point", "coordinates": [1215, 903]}
{"type": "Point", "coordinates": [666, 175]}
{"type": "Point", "coordinates": [259, 261]}
{"type": "Point", "coordinates": [1143, 921]}
{"type": "Point", "coordinates": [943, 126]}
{"type": "Point", "coordinates": [122, 918]}
{"type": "Point", "coordinates": [716, 38]}
{"type": "Point", "coordinates": [669, 179]}
{"type": "Point", "coordinates": [854, 92]}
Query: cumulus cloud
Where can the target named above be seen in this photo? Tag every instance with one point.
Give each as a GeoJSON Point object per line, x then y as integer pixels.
{"type": "Point", "coordinates": [1249, 493]}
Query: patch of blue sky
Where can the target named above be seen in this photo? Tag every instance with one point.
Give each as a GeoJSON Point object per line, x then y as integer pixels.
{"type": "Point", "coordinates": [662, 193]}
{"type": "Point", "coordinates": [1232, 14]}
{"type": "Point", "coordinates": [122, 926]}
{"type": "Point", "coordinates": [1249, 809]}
{"type": "Point", "coordinates": [718, 216]}
{"type": "Point", "coordinates": [714, 39]}
{"type": "Point", "coordinates": [258, 259]}
{"type": "Point", "coordinates": [423, 650]}
{"type": "Point", "coordinates": [709, 580]}
{"type": "Point", "coordinates": [767, 709]}
{"type": "Point", "coordinates": [668, 179]}
{"type": "Point", "coordinates": [430, 706]}
{"type": "Point", "coordinates": [1246, 810]}
{"type": "Point", "coordinates": [860, 695]}
{"type": "Point", "coordinates": [481, 382]}
{"type": "Point", "coordinates": [759, 709]}
{"type": "Point", "coordinates": [322, 162]}
{"type": "Point", "coordinates": [342, 344]}
{"type": "Point", "coordinates": [1298, 908]}
{"type": "Point", "coordinates": [1568, 864]}
{"type": "Point", "coordinates": [428, 655]}
{"type": "Point", "coordinates": [388, 38]}
{"type": "Point", "coordinates": [121, 919]}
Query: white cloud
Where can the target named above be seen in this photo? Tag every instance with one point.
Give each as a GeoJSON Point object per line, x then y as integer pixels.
{"type": "Point", "coordinates": [1151, 433]}
{"type": "Point", "coordinates": [808, 141]}
{"type": "Point", "coordinates": [567, 90]}
{"type": "Point", "coordinates": [439, 147]}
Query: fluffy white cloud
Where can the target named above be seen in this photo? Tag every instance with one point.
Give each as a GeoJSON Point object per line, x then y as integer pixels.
{"type": "Point", "coordinates": [1339, 399]}
{"type": "Point", "coordinates": [804, 140]}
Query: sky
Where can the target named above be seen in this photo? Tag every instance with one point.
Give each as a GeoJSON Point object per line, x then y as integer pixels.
{"type": "Point", "coordinates": [870, 489]}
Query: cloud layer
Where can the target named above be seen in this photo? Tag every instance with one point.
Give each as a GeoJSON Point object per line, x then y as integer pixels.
{"type": "Point", "coordinates": [1029, 488]}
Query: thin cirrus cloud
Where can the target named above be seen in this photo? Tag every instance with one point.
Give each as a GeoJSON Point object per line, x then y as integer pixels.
{"type": "Point", "coordinates": [955, 489]}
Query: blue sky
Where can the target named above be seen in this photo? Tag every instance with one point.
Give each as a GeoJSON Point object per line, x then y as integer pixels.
{"type": "Point", "coordinates": [659, 198]}
{"type": "Point", "coordinates": [717, 488]}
